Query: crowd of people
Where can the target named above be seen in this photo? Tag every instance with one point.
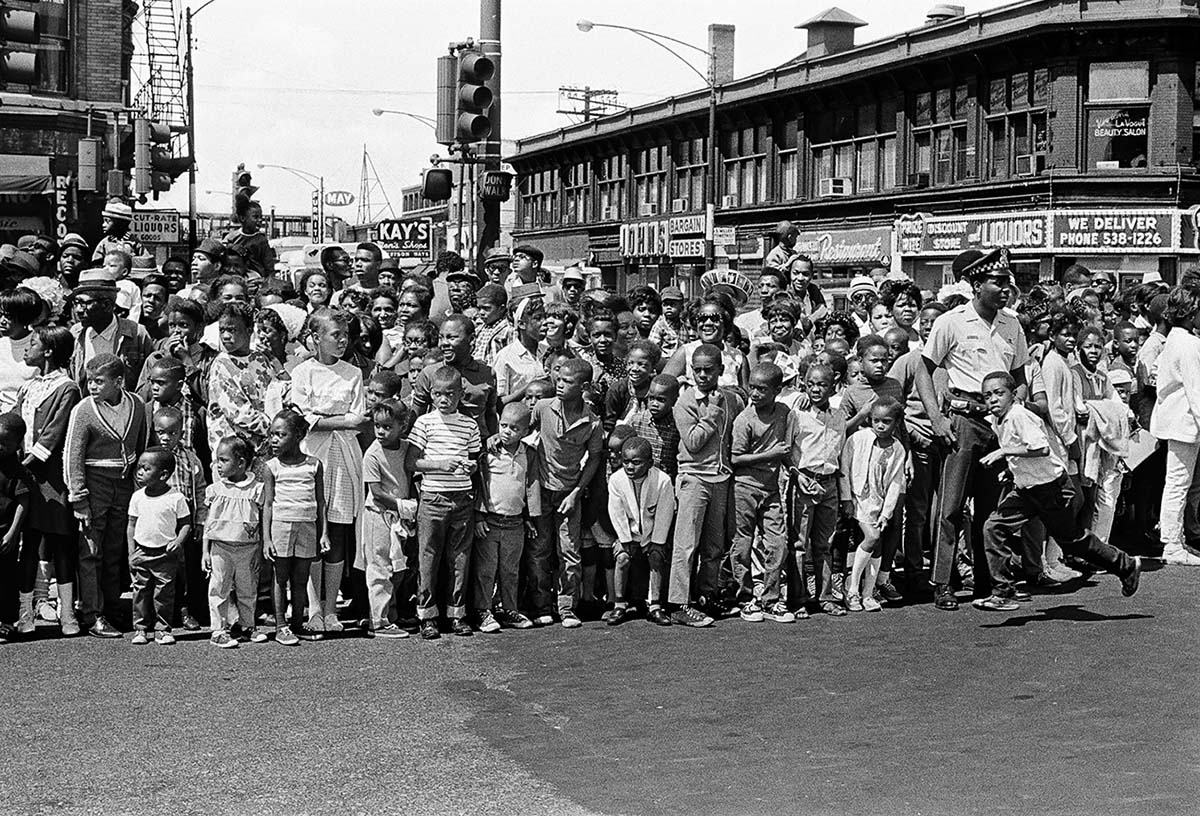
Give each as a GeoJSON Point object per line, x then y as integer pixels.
{"type": "Point", "coordinates": [464, 451]}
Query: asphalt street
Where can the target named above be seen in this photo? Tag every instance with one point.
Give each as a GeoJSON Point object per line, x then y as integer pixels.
{"type": "Point", "coordinates": [1080, 703]}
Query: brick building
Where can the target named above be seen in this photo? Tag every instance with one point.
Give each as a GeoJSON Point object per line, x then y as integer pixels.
{"type": "Point", "coordinates": [1064, 129]}
{"type": "Point", "coordinates": [86, 49]}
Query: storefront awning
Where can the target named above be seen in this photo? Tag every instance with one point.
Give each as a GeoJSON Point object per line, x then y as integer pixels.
{"type": "Point", "coordinates": [25, 175]}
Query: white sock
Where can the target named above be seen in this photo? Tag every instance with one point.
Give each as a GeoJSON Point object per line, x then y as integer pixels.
{"type": "Point", "coordinates": [314, 588]}
{"type": "Point", "coordinates": [861, 559]}
{"type": "Point", "coordinates": [873, 572]}
{"type": "Point", "coordinates": [884, 577]}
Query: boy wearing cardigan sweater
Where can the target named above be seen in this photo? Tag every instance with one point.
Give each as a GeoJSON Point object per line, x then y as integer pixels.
{"type": "Point", "coordinates": [107, 432]}
{"type": "Point", "coordinates": [641, 504]}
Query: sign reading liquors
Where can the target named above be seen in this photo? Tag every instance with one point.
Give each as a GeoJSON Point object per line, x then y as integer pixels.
{"type": "Point", "coordinates": [406, 239]}
{"type": "Point", "coordinates": [922, 234]}
{"type": "Point", "coordinates": [156, 226]}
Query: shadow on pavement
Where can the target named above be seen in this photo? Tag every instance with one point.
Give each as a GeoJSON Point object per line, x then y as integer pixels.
{"type": "Point", "coordinates": [1069, 612]}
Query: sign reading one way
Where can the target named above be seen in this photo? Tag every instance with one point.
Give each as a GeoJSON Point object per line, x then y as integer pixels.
{"type": "Point", "coordinates": [156, 227]}
{"type": "Point", "coordinates": [407, 239]}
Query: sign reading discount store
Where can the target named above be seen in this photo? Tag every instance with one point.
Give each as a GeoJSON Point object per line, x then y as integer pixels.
{"type": "Point", "coordinates": [662, 238]}
{"type": "Point", "coordinates": [922, 234]}
{"type": "Point", "coordinates": [1119, 231]}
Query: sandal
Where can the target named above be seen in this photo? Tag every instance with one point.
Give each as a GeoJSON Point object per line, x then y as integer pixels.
{"type": "Point", "coordinates": [833, 608]}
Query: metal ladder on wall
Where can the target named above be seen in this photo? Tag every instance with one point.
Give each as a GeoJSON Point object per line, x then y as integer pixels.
{"type": "Point", "coordinates": [162, 97]}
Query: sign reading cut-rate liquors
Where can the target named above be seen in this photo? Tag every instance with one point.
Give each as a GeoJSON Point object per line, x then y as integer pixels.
{"type": "Point", "coordinates": [411, 239]}
{"type": "Point", "coordinates": [156, 226]}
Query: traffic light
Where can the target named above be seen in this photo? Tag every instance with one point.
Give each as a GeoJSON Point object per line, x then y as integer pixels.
{"type": "Point", "coordinates": [437, 184]}
{"type": "Point", "coordinates": [22, 27]}
{"type": "Point", "coordinates": [154, 167]}
{"type": "Point", "coordinates": [471, 121]}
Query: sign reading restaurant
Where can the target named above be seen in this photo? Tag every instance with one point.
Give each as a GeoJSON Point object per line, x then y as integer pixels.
{"type": "Point", "coordinates": [1093, 231]}
{"type": "Point", "coordinates": [846, 247]}
{"type": "Point", "coordinates": [665, 237]}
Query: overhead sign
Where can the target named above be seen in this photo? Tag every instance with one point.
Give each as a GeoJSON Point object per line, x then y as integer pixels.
{"type": "Point", "coordinates": [846, 247]}
{"type": "Point", "coordinates": [156, 226]}
{"type": "Point", "coordinates": [1113, 231]}
{"type": "Point", "coordinates": [406, 239]}
{"type": "Point", "coordinates": [338, 198]}
{"type": "Point", "coordinates": [663, 237]}
{"type": "Point", "coordinates": [922, 234]}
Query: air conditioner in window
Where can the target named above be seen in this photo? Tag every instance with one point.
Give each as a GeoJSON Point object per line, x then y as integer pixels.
{"type": "Point", "coordinates": [834, 187]}
{"type": "Point", "coordinates": [728, 202]}
{"type": "Point", "coordinates": [1026, 165]}
{"type": "Point", "coordinates": [918, 180]}
{"type": "Point", "coordinates": [648, 208]}
{"type": "Point", "coordinates": [608, 213]}
{"type": "Point", "coordinates": [679, 205]}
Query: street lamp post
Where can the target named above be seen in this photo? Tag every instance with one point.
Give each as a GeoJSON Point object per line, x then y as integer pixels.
{"type": "Point", "coordinates": [318, 186]}
{"type": "Point", "coordinates": [710, 187]}
{"type": "Point", "coordinates": [425, 120]}
{"type": "Point", "coordinates": [191, 125]}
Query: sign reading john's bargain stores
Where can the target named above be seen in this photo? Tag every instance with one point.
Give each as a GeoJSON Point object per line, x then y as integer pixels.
{"type": "Point", "coordinates": [1088, 231]}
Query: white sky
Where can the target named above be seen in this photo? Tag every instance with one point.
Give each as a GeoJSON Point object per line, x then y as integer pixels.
{"type": "Point", "coordinates": [293, 82]}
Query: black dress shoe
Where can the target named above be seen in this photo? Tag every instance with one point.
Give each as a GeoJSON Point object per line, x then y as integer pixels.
{"type": "Point", "coordinates": [619, 615]}
{"type": "Point", "coordinates": [943, 598]}
{"type": "Point", "coordinates": [658, 617]}
{"type": "Point", "coordinates": [1129, 583]}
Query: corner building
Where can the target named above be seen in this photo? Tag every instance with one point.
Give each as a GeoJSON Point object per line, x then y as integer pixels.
{"type": "Point", "coordinates": [1063, 129]}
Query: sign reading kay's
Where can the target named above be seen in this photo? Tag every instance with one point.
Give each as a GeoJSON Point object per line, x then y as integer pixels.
{"type": "Point", "coordinates": [406, 239]}
{"type": "Point", "coordinates": [156, 226]}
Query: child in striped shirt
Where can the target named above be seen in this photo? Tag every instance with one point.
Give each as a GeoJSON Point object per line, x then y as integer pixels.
{"type": "Point", "coordinates": [444, 446]}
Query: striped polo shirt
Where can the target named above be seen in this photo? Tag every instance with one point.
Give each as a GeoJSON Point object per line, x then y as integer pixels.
{"type": "Point", "coordinates": [445, 436]}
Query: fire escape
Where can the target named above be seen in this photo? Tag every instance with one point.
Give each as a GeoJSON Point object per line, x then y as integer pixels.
{"type": "Point", "coordinates": [162, 97]}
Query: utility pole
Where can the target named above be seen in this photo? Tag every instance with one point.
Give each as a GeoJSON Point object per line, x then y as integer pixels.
{"type": "Point", "coordinates": [595, 101]}
{"type": "Point", "coordinates": [490, 149]}
{"type": "Point", "coordinates": [191, 130]}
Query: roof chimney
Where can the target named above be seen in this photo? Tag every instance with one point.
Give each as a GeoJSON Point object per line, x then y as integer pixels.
{"type": "Point", "coordinates": [830, 32]}
{"type": "Point", "coordinates": [943, 12]}
{"type": "Point", "coordinates": [720, 45]}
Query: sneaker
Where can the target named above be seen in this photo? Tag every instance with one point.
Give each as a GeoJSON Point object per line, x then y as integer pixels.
{"type": "Point", "coordinates": [103, 629]}
{"type": "Point", "coordinates": [308, 633]}
{"type": "Point", "coordinates": [188, 622]}
{"type": "Point", "coordinates": [543, 620]}
{"type": "Point", "coordinates": [833, 608]}
{"type": "Point", "coordinates": [1129, 583]}
{"type": "Point", "coordinates": [284, 636]}
{"type": "Point", "coordinates": [222, 640]}
{"type": "Point", "coordinates": [888, 592]}
{"type": "Point", "coordinates": [140, 638]}
{"type": "Point", "coordinates": [47, 612]}
{"type": "Point", "coordinates": [606, 614]}
{"type": "Point", "coordinates": [570, 620]}
{"type": "Point", "coordinates": [1180, 556]}
{"type": "Point", "coordinates": [460, 627]}
{"type": "Point", "coordinates": [315, 623]}
{"type": "Point", "coordinates": [258, 635]}
{"type": "Point", "coordinates": [513, 620]}
{"type": "Point", "coordinates": [164, 638]}
{"type": "Point", "coordinates": [779, 613]}
{"type": "Point", "coordinates": [869, 604]}
{"type": "Point", "coordinates": [995, 603]}
{"type": "Point", "coordinates": [751, 612]}
{"type": "Point", "coordinates": [488, 623]}
{"type": "Point", "coordinates": [391, 632]}
{"type": "Point", "coordinates": [1021, 596]}
{"type": "Point", "coordinates": [429, 630]}
{"type": "Point", "coordinates": [690, 616]}
{"type": "Point", "coordinates": [854, 602]}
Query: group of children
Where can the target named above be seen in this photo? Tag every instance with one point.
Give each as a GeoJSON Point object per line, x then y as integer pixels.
{"type": "Point", "coordinates": [506, 469]}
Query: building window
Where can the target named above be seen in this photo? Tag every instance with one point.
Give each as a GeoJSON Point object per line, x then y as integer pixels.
{"type": "Point", "coordinates": [539, 200]}
{"type": "Point", "coordinates": [54, 46]}
{"type": "Point", "coordinates": [787, 136]}
{"type": "Point", "coordinates": [1017, 137]}
{"type": "Point", "coordinates": [940, 135]}
{"type": "Point", "coordinates": [611, 184]}
{"type": "Point", "coordinates": [863, 163]}
{"type": "Point", "coordinates": [1118, 115]}
{"type": "Point", "coordinates": [577, 193]}
{"type": "Point", "coordinates": [691, 164]}
{"type": "Point", "coordinates": [650, 181]}
{"type": "Point", "coordinates": [745, 153]}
